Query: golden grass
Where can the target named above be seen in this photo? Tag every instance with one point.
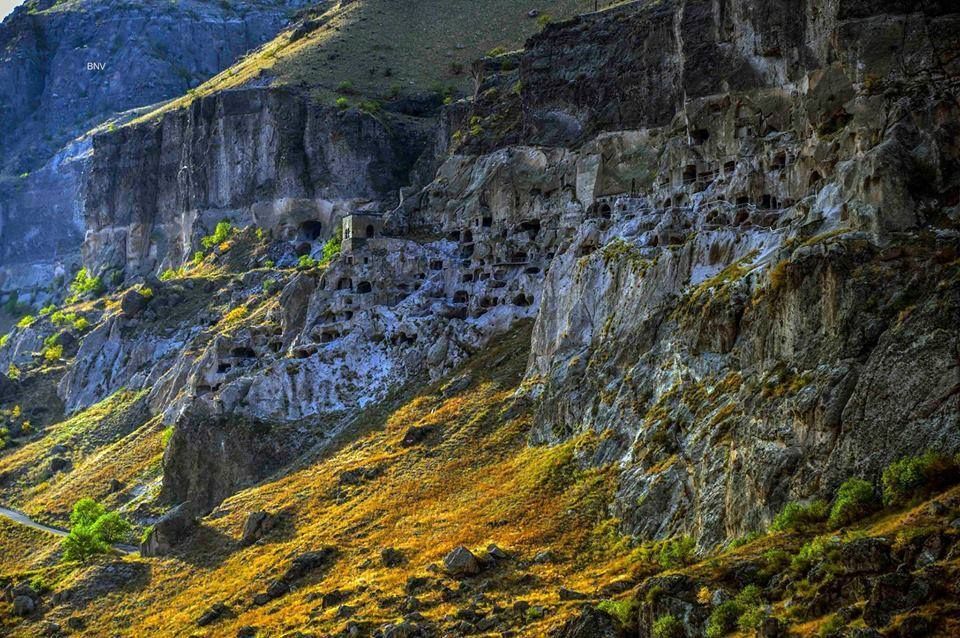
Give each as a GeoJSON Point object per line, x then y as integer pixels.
{"type": "Point", "coordinates": [475, 482]}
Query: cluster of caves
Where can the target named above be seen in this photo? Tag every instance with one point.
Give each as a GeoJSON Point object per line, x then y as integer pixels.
{"type": "Point", "coordinates": [493, 260]}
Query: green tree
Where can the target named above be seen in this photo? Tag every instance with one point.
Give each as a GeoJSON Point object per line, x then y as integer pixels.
{"type": "Point", "coordinates": [85, 512]}
{"type": "Point", "coordinates": [82, 543]}
{"type": "Point", "coordinates": [110, 528]}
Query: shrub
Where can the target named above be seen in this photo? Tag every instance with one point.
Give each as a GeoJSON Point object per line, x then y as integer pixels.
{"type": "Point", "coordinates": [544, 19]}
{"type": "Point", "coordinates": [912, 476]}
{"type": "Point", "coordinates": [4, 339]}
{"type": "Point", "coordinates": [676, 552]}
{"type": "Point", "coordinates": [342, 103]}
{"type": "Point", "coordinates": [306, 262]}
{"type": "Point", "coordinates": [220, 234]}
{"type": "Point", "coordinates": [332, 248]}
{"type": "Point", "coordinates": [170, 273]}
{"type": "Point", "coordinates": [85, 512]}
{"type": "Point", "coordinates": [832, 627]}
{"type": "Point", "coordinates": [26, 321]}
{"type": "Point", "coordinates": [345, 87]}
{"type": "Point", "coordinates": [53, 353]}
{"type": "Point", "coordinates": [797, 516]}
{"type": "Point", "coordinates": [723, 619]}
{"type": "Point", "coordinates": [198, 257]}
{"type": "Point", "coordinates": [238, 313]}
{"type": "Point", "coordinates": [146, 293]}
{"type": "Point", "coordinates": [370, 106]}
{"type": "Point", "coordinates": [46, 310]}
{"type": "Point", "coordinates": [668, 627]}
{"type": "Point", "coordinates": [166, 435]}
{"type": "Point", "coordinates": [812, 552]}
{"type": "Point", "coordinates": [86, 285]}
{"type": "Point", "coordinates": [855, 499]}
{"type": "Point", "coordinates": [495, 51]}
{"type": "Point", "coordinates": [752, 618]}
{"type": "Point", "coordinates": [13, 372]}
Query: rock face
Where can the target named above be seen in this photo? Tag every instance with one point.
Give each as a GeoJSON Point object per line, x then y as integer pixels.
{"type": "Point", "coordinates": [51, 97]}
{"type": "Point", "coordinates": [266, 157]}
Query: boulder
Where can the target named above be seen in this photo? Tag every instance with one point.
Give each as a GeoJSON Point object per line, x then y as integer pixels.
{"type": "Point", "coordinates": [213, 614]}
{"type": "Point", "coordinates": [171, 529]}
{"type": "Point", "coordinates": [23, 605]}
{"type": "Point", "coordinates": [132, 303]}
{"type": "Point", "coordinates": [461, 562]}
{"type": "Point", "coordinates": [416, 435]}
{"type": "Point", "coordinates": [257, 525]}
{"type": "Point", "coordinates": [570, 594]}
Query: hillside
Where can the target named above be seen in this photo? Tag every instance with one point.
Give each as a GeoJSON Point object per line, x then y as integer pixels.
{"type": "Point", "coordinates": [651, 333]}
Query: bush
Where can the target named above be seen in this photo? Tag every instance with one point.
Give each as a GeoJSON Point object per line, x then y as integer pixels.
{"type": "Point", "coordinates": [170, 273]}
{"type": "Point", "coordinates": [306, 262]}
{"type": "Point", "coordinates": [26, 321]}
{"type": "Point", "coordinates": [723, 619]}
{"type": "Point", "coordinates": [676, 552]}
{"type": "Point", "coordinates": [855, 499]}
{"type": "Point", "coordinates": [668, 627]}
{"type": "Point", "coordinates": [342, 103]}
{"type": "Point", "coordinates": [93, 530]}
{"type": "Point", "coordinates": [220, 234]}
{"type": "Point", "coordinates": [53, 353]}
{"type": "Point", "coordinates": [912, 476]}
{"type": "Point", "coordinates": [110, 528]}
{"type": "Point", "coordinates": [13, 372]}
{"type": "Point", "coordinates": [813, 552]}
{"type": "Point", "coordinates": [86, 285]}
{"type": "Point", "coordinates": [85, 512]}
{"type": "Point", "coordinates": [798, 516]}
{"type": "Point", "coordinates": [495, 51]}
{"type": "Point", "coordinates": [345, 87]}
{"type": "Point", "coordinates": [751, 619]}
{"type": "Point", "coordinates": [332, 248]}
{"type": "Point", "coordinates": [833, 627]}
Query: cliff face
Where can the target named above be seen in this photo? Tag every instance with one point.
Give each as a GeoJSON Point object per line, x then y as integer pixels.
{"type": "Point", "coordinates": [265, 157]}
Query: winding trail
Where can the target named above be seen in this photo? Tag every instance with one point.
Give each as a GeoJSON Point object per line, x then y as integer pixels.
{"type": "Point", "coordinates": [23, 519]}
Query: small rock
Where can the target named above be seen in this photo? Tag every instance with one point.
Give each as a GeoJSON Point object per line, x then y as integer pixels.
{"type": "Point", "coordinates": [461, 562]}
{"type": "Point", "coordinates": [132, 303]}
{"type": "Point", "coordinates": [330, 599]}
{"type": "Point", "coordinates": [590, 623]}
{"type": "Point", "coordinates": [115, 486]}
{"type": "Point", "coordinates": [58, 464]}
{"type": "Point", "coordinates": [771, 627]}
{"type": "Point", "coordinates": [257, 525]}
{"type": "Point", "coordinates": [545, 556]}
{"type": "Point", "coordinates": [173, 527]}
{"type": "Point", "coordinates": [496, 552]}
{"type": "Point", "coordinates": [76, 623]}
{"type": "Point", "coordinates": [248, 632]}
{"type": "Point", "coordinates": [391, 557]}
{"type": "Point", "coordinates": [346, 611]}
{"type": "Point", "coordinates": [213, 614]}
{"type": "Point", "coordinates": [533, 13]}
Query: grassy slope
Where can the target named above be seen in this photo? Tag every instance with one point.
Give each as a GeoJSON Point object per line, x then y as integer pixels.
{"type": "Point", "coordinates": [474, 483]}
{"type": "Point", "coordinates": [379, 45]}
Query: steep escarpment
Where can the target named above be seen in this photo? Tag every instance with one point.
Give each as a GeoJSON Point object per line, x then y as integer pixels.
{"type": "Point", "coordinates": [269, 157]}
{"type": "Point", "coordinates": [677, 275]}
